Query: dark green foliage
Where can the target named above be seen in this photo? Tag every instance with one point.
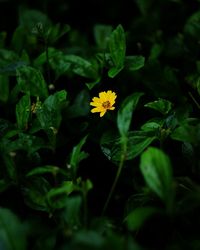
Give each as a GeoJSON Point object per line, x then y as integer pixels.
{"type": "Point", "coordinates": [72, 180]}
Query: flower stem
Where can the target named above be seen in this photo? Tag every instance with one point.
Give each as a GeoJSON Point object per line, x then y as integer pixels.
{"type": "Point", "coordinates": [121, 164]}
{"type": "Point", "coordinates": [85, 206]}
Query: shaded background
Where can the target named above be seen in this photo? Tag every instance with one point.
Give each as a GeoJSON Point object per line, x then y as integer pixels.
{"type": "Point", "coordinates": [168, 16]}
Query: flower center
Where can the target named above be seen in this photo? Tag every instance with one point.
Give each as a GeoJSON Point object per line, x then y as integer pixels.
{"type": "Point", "coordinates": [106, 104]}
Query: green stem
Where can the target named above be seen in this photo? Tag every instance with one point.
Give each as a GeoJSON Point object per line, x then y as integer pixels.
{"type": "Point", "coordinates": [194, 100]}
{"type": "Point", "coordinates": [47, 61]}
{"type": "Point", "coordinates": [85, 205]}
{"type": "Point", "coordinates": [121, 164]}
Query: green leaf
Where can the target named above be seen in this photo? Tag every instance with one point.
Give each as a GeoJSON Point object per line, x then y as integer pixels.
{"type": "Point", "coordinates": [157, 172]}
{"type": "Point", "coordinates": [57, 31]}
{"type": "Point", "coordinates": [62, 63]}
{"type": "Point", "coordinates": [136, 218]}
{"type": "Point", "coordinates": [137, 142]}
{"type": "Point", "coordinates": [101, 35]}
{"type": "Point", "coordinates": [9, 165]}
{"type": "Point", "coordinates": [4, 185]}
{"type": "Point", "coordinates": [57, 61]}
{"type": "Point", "coordinates": [125, 112]}
{"type": "Point", "coordinates": [82, 67]}
{"type": "Point", "coordinates": [144, 6]}
{"type": "Point", "coordinates": [23, 109]}
{"type": "Point", "coordinates": [134, 62]}
{"type": "Point", "coordinates": [24, 39]}
{"type": "Point", "coordinates": [192, 26]}
{"type": "Point", "coordinates": [72, 211]}
{"type": "Point", "coordinates": [35, 192]}
{"type": "Point", "coordinates": [7, 57]}
{"type": "Point", "coordinates": [187, 133]}
{"type": "Point", "coordinates": [18, 38]}
{"type": "Point", "coordinates": [54, 170]}
{"type": "Point", "coordinates": [80, 106]}
{"type": "Point", "coordinates": [31, 81]}
{"type": "Point", "coordinates": [161, 105]}
{"type": "Point", "coordinates": [26, 142]}
{"type": "Point", "coordinates": [117, 48]}
{"type": "Point", "coordinates": [151, 125]}
{"type": "Point", "coordinates": [4, 88]}
{"type": "Point", "coordinates": [92, 84]}
{"type": "Point", "coordinates": [30, 18]}
{"type": "Point", "coordinates": [11, 68]}
{"type": "Point", "coordinates": [49, 114]}
{"type": "Point", "coordinates": [42, 58]}
{"type": "Point", "coordinates": [77, 155]}
{"type": "Point", "coordinates": [156, 50]}
{"type": "Point", "coordinates": [57, 196]}
{"type": "Point", "coordinates": [5, 127]}
{"type": "Point", "coordinates": [88, 240]}
{"type": "Point", "coordinates": [9, 62]}
{"type": "Point", "coordinates": [114, 71]}
{"type": "Point", "coordinates": [88, 185]}
{"type": "Point", "coordinates": [13, 233]}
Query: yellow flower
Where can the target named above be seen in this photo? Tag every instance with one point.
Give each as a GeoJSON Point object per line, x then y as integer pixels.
{"type": "Point", "coordinates": [104, 102]}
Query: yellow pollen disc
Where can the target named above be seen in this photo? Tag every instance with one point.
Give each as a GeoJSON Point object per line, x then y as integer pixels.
{"type": "Point", "coordinates": [106, 104]}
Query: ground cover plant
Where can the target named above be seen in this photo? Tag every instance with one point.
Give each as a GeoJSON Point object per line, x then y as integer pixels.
{"type": "Point", "coordinates": [99, 125]}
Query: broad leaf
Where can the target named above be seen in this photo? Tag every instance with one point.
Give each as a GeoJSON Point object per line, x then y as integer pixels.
{"type": "Point", "coordinates": [152, 125]}
{"type": "Point", "coordinates": [31, 81]}
{"type": "Point", "coordinates": [57, 31]}
{"type": "Point", "coordinates": [23, 109]}
{"type": "Point", "coordinates": [80, 106]}
{"type": "Point", "coordinates": [35, 191]}
{"type": "Point", "coordinates": [117, 47]}
{"type": "Point", "coordinates": [101, 34]}
{"type": "Point", "coordinates": [81, 66]}
{"type": "Point", "coordinates": [137, 142]}
{"type": "Point", "coordinates": [26, 142]}
{"type": "Point", "coordinates": [157, 171]}
{"type": "Point", "coordinates": [72, 211]}
{"type": "Point", "coordinates": [57, 196]}
{"type": "Point", "coordinates": [49, 114]}
{"type": "Point", "coordinates": [187, 133]}
{"type": "Point", "coordinates": [13, 233]}
{"type": "Point", "coordinates": [134, 62]}
{"type": "Point", "coordinates": [136, 218]}
{"type": "Point", "coordinates": [125, 113]}
{"type": "Point", "coordinates": [161, 105]}
{"type": "Point", "coordinates": [30, 18]}
{"type": "Point", "coordinates": [192, 26]}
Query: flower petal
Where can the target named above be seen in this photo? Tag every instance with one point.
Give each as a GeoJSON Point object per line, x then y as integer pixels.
{"type": "Point", "coordinates": [111, 97]}
{"type": "Point", "coordinates": [103, 96]}
{"type": "Point", "coordinates": [94, 110]}
{"type": "Point", "coordinates": [102, 113]}
{"type": "Point", "coordinates": [96, 99]}
{"type": "Point", "coordinates": [112, 108]}
{"type": "Point", "coordinates": [109, 94]}
{"type": "Point", "coordinates": [95, 104]}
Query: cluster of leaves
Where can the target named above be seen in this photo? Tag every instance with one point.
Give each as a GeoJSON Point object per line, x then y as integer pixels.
{"type": "Point", "coordinates": [52, 190]}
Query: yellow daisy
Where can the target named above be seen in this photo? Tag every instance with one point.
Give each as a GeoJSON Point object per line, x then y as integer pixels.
{"type": "Point", "coordinates": [104, 102]}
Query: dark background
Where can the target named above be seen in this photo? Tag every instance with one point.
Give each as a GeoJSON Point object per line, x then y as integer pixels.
{"type": "Point", "coordinates": [168, 16]}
